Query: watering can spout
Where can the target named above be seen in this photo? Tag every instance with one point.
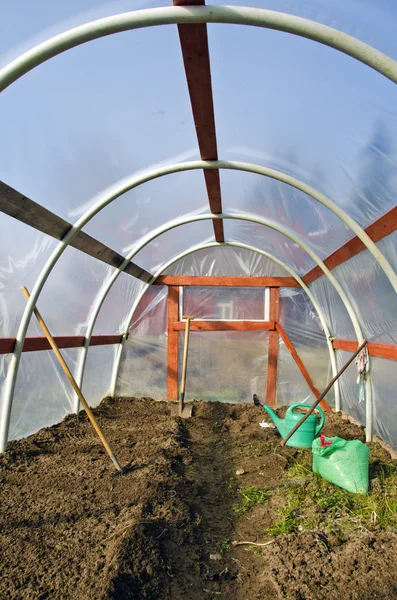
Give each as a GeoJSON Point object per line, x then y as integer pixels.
{"type": "Point", "coordinates": [279, 423]}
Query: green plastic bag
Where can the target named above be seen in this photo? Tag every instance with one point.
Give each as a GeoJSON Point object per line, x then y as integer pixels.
{"type": "Point", "coordinates": [343, 463]}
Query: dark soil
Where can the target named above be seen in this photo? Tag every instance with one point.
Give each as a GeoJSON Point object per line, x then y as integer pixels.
{"type": "Point", "coordinates": [69, 529]}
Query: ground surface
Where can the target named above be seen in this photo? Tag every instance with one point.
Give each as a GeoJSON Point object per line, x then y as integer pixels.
{"type": "Point", "coordinates": [165, 530]}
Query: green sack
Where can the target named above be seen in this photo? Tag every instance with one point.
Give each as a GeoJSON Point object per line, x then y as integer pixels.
{"type": "Point", "coordinates": [343, 463]}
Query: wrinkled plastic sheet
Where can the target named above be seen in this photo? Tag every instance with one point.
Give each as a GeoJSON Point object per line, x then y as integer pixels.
{"type": "Point", "coordinates": [143, 366]}
{"type": "Point", "coordinates": [227, 260]}
{"type": "Point", "coordinates": [301, 323]}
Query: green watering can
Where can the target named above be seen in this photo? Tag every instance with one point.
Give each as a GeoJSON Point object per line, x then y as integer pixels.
{"type": "Point", "coordinates": [307, 432]}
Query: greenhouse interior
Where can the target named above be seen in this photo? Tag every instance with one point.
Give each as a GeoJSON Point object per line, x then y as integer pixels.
{"type": "Point", "coordinates": [198, 300]}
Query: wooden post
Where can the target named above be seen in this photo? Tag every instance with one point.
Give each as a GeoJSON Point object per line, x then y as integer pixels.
{"type": "Point", "coordinates": [172, 368]}
{"type": "Point", "coordinates": [271, 387]}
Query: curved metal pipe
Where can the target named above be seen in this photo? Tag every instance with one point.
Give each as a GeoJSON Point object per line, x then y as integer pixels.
{"type": "Point", "coordinates": [235, 15]}
{"type": "Point", "coordinates": [106, 198]}
{"type": "Point", "coordinates": [194, 218]}
{"type": "Point", "coordinates": [117, 360]}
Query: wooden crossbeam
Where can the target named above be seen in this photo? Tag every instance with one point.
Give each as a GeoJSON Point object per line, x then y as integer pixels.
{"type": "Point", "coordinates": [18, 206]}
{"type": "Point", "coordinates": [35, 344]}
{"type": "Point", "coordinates": [384, 226]}
{"type": "Point", "coordinates": [194, 45]}
{"type": "Point", "coordinates": [225, 326]}
{"type": "Point", "coordinates": [378, 350]}
{"type": "Point", "coordinates": [226, 281]}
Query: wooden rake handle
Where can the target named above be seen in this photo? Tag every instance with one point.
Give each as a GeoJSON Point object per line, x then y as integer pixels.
{"type": "Point", "coordinates": [73, 382]}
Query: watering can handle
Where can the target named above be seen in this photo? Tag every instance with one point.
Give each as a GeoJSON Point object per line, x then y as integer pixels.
{"type": "Point", "coordinates": [304, 405]}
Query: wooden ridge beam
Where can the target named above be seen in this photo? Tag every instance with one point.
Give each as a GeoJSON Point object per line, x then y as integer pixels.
{"type": "Point", "coordinates": [36, 344]}
{"type": "Point", "coordinates": [194, 45]}
{"type": "Point", "coordinates": [324, 405]}
{"type": "Point", "coordinates": [226, 281]}
{"type": "Point", "coordinates": [225, 326]}
{"type": "Point", "coordinates": [377, 350]}
{"type": "Point", "coordinates": [383, 227]}
{"type": "Point", "coordinates": [18, 206]}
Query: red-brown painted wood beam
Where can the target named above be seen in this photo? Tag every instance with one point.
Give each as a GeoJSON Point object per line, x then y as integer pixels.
{"type": "Point", "coordinates": [226, 281]}
{"type": "Point", "coordinates": [378, 350]}
{"type": "Point", "coordinates": [194, 44]}
{"type": "Point", "coordinates": [35, 344]}
{"type": "Point", "coordinates": [226, 326]}
{"type": "Point", "coordinates": [377, 231]}
{"type": "Point", "coordinates": [324, 405]}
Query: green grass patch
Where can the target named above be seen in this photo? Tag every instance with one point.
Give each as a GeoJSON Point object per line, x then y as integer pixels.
{"type": "Point", "coordinates": [250, 497]}
{"type": "Point", "coordinates": [315, 503]}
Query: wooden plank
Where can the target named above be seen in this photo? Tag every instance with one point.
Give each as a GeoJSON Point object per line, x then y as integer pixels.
{"type": "Point", "coordinates": [194, 45]}
{"type": "Point", "coordinates": [225, 281]}
{"type": "Point", "coordinates": [172, 362]}
{"type": "Point", "coordinates": [226, 326]}
{"type": "Point", "coordinates": [272, 356]}
{"type": "Point", "coordinates": [36, 344]}
{"type": "Point", "coordinates": [378, 350]}
{"type": "Point", "coordinates": [324, 405]}
{"type": "Point", "coordinates": [18, 206]}
{"type": "Point", "coordinates": [384, 226]}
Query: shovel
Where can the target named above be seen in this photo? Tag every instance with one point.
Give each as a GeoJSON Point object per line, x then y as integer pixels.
{"type": "Point", "coordinates": [184, 410]}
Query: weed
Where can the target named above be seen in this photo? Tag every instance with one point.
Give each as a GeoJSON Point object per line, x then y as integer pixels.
{"type": "Point", "coordinates": [223, 546]}
{"type": "Point", "coordinates": [250, 497]}
{"type": "Point", "coordinates": [318, 503]}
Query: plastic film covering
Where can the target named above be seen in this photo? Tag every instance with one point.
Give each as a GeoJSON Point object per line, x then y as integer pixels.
{"type": "Point", "coordinates": [301, 323]}
{"type": "Point", "coordinates": [225, 366]}
{"type": "Point", "coordinates": [283, 204]}
{"type": "Point", "coordinates": [173, 242]}
{"type": "Point", "coordinates": [143, 367]}
{"type": "Point", "coordinates": [43, 395]}
{"type": "Point", "coordinates": [370, 293]}
{"type": "Point", "coordinates": [383, 377]}
{"type": "Point", "coordinates": [98, 373]}
{"type": "Point", "coordinates": [114, 311]}
{"type": "Point", "coordinates": [225, 303]}
{"type": "Point", "coordinates": [269, 240]}
{"type": "Point", "coordinates": [291, 387]}
{"type": "Point", "coordinates": [337, 136]}
{"type": "Point", "coordinates": [227, 260]}
{"type": "Point", "coordinates": [349, 389]}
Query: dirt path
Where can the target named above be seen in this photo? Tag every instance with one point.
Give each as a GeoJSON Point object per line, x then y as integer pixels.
{"type": "Point", "coordinates": [165, 530]}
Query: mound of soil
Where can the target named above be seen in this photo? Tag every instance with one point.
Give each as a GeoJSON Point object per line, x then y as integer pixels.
{"type": "Point", "coordinates": [165, 529]}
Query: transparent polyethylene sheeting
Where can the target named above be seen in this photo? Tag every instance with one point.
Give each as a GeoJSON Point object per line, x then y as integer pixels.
{"type": "Point", "coordinates": [302, 325]}
{"type": "Point", "coordinates": [227, 260]}
{"type": "Point", "coordinates": [225, 303]}
{"type": "Point", "coordinates": [225, 366]}
{"type": "Point", "coordinates": [43, 395]}
{"type": "Point", "coordinates": [291, 386]}
{"type": "Point", "coordinates": [370, 293]}
{"type": "Point", "coordinates": [143, 367]}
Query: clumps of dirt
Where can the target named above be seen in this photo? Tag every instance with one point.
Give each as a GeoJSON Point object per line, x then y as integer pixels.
{"type": "Point", "coordinates": [190, 518]}
{"type": "Point", "coordinates": [307, 566]}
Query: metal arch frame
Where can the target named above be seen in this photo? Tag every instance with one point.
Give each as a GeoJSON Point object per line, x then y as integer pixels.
{"type": "Point", "coordinates": [160, 16]}
{"type": "Point", "coordinates": [195, 218]}
{"type": "Point", "coordinates": [130, 316]}
{"type": "Point", "coordinates": [106, 198]}
{"type": "Point", "coordinates": [236, 15]}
